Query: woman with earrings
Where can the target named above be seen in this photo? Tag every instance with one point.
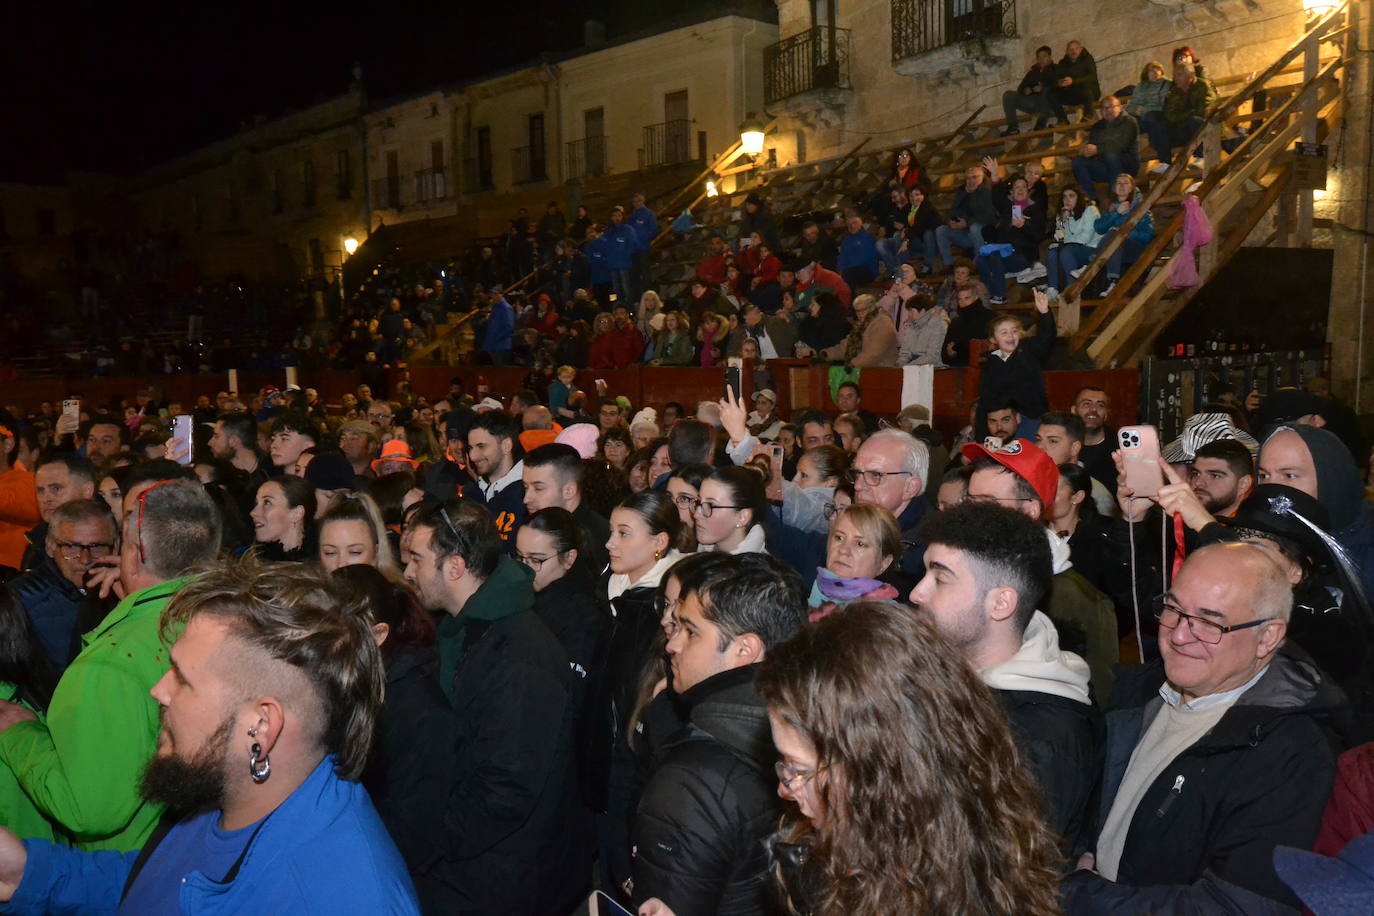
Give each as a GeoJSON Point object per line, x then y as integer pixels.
{"type": "Point", "coordinates": [730, 511]}
{"type": "Point", "coordinates": [282, 520]}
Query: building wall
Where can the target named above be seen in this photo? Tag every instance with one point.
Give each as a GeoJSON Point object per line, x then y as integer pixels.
{"type": "Point", "coordinates": [945, 86]}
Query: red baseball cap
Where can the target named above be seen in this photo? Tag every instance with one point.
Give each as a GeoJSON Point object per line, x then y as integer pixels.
{"type": "Point", "coordinates": [1026, 460]}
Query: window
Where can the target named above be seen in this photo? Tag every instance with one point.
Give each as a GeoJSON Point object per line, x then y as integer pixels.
{"type": "Point", "coordinates": [538, 168]}
{"type": "Point", "coordinates": [344, 169]}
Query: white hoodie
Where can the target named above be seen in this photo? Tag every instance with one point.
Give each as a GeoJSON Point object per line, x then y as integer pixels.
{"type": "Point", "coordinates": [619, 583]}
{"type": "Point", "coordinates": [1040, 666]}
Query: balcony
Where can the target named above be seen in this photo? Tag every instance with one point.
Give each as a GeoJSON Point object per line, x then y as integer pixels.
{"type": "Point", "coordinates": [666, 144]}
{"type": "Point", "coordinates": [477, 175]}
{"type": "Point", "coordinates": [920, 26]}
{"type": "Point", "coordinates": [386, 193]}
{"type": "Point", "coordinates": [430, 185]}
{"type": "Point", "coordinates": [587, 158]}
{"type": "Point", "coordinates": [529, 164]}
{"type": "Point", "coordinates": [815, 59]}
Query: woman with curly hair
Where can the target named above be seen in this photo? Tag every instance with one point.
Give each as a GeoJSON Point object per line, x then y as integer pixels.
{"type": "Point", "coordinates": [881, 823]}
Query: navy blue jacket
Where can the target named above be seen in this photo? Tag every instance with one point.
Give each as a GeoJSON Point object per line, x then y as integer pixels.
{"type": "Point", "coordinates": [53, 605]}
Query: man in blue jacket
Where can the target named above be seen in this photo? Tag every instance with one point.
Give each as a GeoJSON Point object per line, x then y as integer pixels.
{"type": "Point", "coordinates": [645, 224]}
{"type": "Point", "coordinates": [267, 717]}
{"type": "Point", "coordinates": [858, 263]}
{"type": "Point", "coordinates": [622, 242]}
{"type": "Point", "coordinates": [500, 329]}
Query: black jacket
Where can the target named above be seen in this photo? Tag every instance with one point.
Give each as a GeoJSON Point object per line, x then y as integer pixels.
{"type": "Point", "coordinates": [1022, 376]}
{"type": "Point", "coordinates": [1202, 838]}
{"type": "Point", "coordinates": [447, 479]}
{"type": "Point", "coordinates": [970, 323]}
{"type": "Point", "coordinates": [1059, 741]}
{"type": "Point", "coordinates": [412, 763]}
{"type": "Point", "coordinates": [574, 613]}
{"type": "Point", "coordinates": [513, 783]}
{"type": "Point", "coordinates": [1026, 238]}
{"type": "Point", "coordinates": [701, 824]}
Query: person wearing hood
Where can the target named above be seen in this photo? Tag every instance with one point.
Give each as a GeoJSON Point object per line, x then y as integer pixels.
{"type": "Point", "coordinates": [1022, 476]}
{"type": "Point", "coordinates": [712, 799]}
{"type": "Point", "coordinates": [1228, 758]}
{"type": "Point", "coordinates": [988, 567]}
{"type": "Point", "coordinates": [507, 679]}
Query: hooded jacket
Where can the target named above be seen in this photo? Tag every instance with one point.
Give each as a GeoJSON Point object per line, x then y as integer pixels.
{"type": "Point", "coordinates": [1045, 696]}
{"type": "Point", "coordinates": [1202, 838]}
{"type": "Point", "coordinates": [507, 679]}
{"type": "Point", "coordinates": [701, 824]}
{"type": "Point", "coordinates": [1084, 618]}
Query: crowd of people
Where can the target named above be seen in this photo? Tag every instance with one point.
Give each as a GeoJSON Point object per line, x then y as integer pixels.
{"type": "Point", "coordinates": [489, 652]}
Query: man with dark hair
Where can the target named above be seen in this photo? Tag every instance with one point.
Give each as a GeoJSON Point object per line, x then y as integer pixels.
{"type": "Point", "coordinates": [508, 680]}
{"type": "Point", "coordinates": [267, 672]}
{"type": "Point", "coordinates": [816, 246]}
{"type": "Point", "coordinates": [1019, 475]}
{"type": "Point", "coordinates": [521, 401]}
{"type": "Point", "coordinates": [851, 431]}
{"type": "Point", "coordinates": [1003, 418]}
{"type": "Point", "coordinates": [1060, 434]}
{"type": "Point", "coordinates": [691, 442]}
{"type": "Point", "coordinates": [53, 592]}
{"type": "Point", "coordinates": [816, 428]}
{"type": "Point", "coordinates": [609, 415]}
{"type": "Point", "coordinates": [103, 437]}
{"type": "Point", "coordinates": [712, 798]}
{"type": "Point", "coordinates": [849, 399]}
{"type": "Point", "coordinates": [988, 567]}
{"type": "Point", "coordinates": [291, 434]}
{"type": "Point", "coordinates": [553, 477]}
{"type": "Point", "coordinates": [59, 477]}
{"type": "Point", "coordinates": [236, 440]}
{"type": "Point", "coordinates": [494, 456]}
{"type": "Point", "coordinates": [1222, 475]}
{"type": "Point", "coordinates": [80, 765]}
{"type": "Point", "coordinates": [1092, 405]}
{"type": "Point", "coordinates": [1032, 95]}
{"type": "Point", "coordinates": [450, 477]}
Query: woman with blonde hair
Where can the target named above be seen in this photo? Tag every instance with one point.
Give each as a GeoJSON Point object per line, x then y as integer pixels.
{"type": "Point", "coordinates": [861, 554]}
{"type": "Point", "coordinates": [881, 823]}
{"type": "Point", "coordinates": [650, 307]}
{"type": "Point", "coordinates": [352, 531]}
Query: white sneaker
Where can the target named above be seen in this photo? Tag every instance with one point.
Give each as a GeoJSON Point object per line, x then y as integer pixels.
{"type": "Point", "coordinates": [1078, 271]}
{"type": "Point", "coordinates": [1050, 292]}
{"type": "Point", "coordinates": [1192, 187]}
{"type": "Point", "coordinates": [1160, 169]}
{"type": "Point", "coordinates": [1035, 272]}
{"type": "Point", "coordinates": [1108, 291]}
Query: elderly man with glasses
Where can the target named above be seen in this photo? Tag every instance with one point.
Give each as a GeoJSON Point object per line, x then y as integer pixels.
{"type": "Point", "coordinates": [1229, 759]}
{"type": "Point", "coordinates": [1112, 147]}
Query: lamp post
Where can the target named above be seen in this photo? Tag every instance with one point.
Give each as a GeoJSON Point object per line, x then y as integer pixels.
{"type": "Point", "coordinates": [751, 136]}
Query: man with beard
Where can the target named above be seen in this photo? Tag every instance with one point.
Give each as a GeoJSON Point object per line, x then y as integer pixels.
{"type": "Point", "coordinates": [269, 673]}
{"type": "Point", "coordinates": [494, 455]}
{"type": "Point", "coordinates": [1222, 475]}
{"type": "Point", "coordinates": [235, 440]}
{"type": "Point", "coordinates": [80, 766]}
{"type": "Point", "coordinates": [1093, 407]}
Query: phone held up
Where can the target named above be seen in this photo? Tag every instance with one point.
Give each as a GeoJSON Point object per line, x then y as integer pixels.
{"type": "Point", "coordinates": [1140, 458]}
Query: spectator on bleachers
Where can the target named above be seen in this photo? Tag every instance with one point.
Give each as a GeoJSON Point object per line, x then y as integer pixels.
{"type": "Point", "coordinates": [871, 342]}
{"type": "Point", "coordinates": [706, 298]}
{"type": "Point", "coordinates": [913, 236]}
{"type": "Point", "coordinates": [574, 348]}
{"type": "Point", "coordinates": [1075, 239]}
{"type": "Point", "coordinates": [816, 246]}
{"type": "Point", "coordinates": [1184, 112]}
{"type": "Point", "coordinates": [644, 222]}
{"type": "Point", "coordinates": [1128, 200]}
{"type": "Point", "coordinates": [764, 289]}
{"type": "Point", "coordinates": [825, 326]}
{"type": "Point", "coordinates": [650, 308]}
{"type": "Point", "coordinates": [1112, 148]}
{"type": "Point", "coordinates": [597, 250]}
{"type": "Point", "coordinates": [962, 274]}
{"type": "Point", "coordinates": [579, 226]}
{"type": "Point", "coordinates": [814, 278]}
{"type": "Point", "coordinates": [673, 344]}
{"type": "Point", "coordinates": [970, 323]}
{"type": "Point", "coordinates": [1016, 249]}
{"type": "Point", "coordinates": [757, 216]}
{"type": "Point", "coordinates": [907, 171]}
{"type": "Point", "coordinates": [1032, 95]}
{"type": "Point", "coordinates": [922, 336]}
{"type": "Point", "coordinates": [972, 211]}
{"type": "Point", "coordinates": [622, 246]}
{"type": "Point", "coordinates": [1015, 367]}
{"type": "Point", "coordinates": [1075, 83]}
{"type": "Point", "coordinates": [774, 336]}
{"type": "Point", "coordinates": [1148, 94]}
{"type": "Point", "coordinates": [712, 334]}
{"type": "Point", "coordinates": [571, 269]}
{"type": "Point", "coordinates": [858, 263]}
{"type": "Point", "coordinates": [712, 267]}
{"type": "Point", "coordinates": [904, 286]}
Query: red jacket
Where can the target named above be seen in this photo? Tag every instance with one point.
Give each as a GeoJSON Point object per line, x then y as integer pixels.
{"type": "Point", "coordinates": [767, 270]}
{"type": "Point", "coordinates": [1350, 811]}
{"type": "Point", "coordinates": [712, 269]}
{"type": "Point", "coordinates": [616, 348]}
{"type": "Point", "coordinates": [828, 279]}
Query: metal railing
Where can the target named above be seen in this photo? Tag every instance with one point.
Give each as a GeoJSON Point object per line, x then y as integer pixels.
{"type": "Point", "coordinates": [815, 59]}
{"type": "Point", "coordinates": [430, 184]}
{"type": "Point", "coordinates": [587, 157]}
{"type": "Point", "coordinates": [477, 175]}
{"type": "Point", "coordinates": [667, 143]}
{"type": "Point", "coordinates": [924, 25]}
{"type": "Point", "coordinates": [529, 163]}
{"type": "Point", "coordinates": [386, 193]}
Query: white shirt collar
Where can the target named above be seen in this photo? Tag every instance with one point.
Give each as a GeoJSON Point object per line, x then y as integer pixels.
{"type": "Point", "coordinates": [516, 472]}
{"type": "Point", "coordinates": [1212, 700]}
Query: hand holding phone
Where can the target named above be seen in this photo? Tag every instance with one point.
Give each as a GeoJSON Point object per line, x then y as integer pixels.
{"type": "Point", "coordinates": [774, 489]}
{"type": "Point", "coordinates": [180, 445]}
{"type": "Point", "coordinates": [1140, 460]}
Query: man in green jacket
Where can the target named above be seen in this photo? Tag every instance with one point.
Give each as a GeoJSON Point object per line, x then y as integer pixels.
{"type": "Point", "coordinates": [82, 766]}
{"type": "Point", "coordinates": [1184, 112]}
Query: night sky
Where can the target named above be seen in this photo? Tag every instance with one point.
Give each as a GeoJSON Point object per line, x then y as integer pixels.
{"type": "Point", "coordinates": [119, 86]}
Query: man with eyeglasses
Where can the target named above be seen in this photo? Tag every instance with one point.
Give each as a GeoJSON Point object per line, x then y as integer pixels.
{"type": "Point", "coordinates": [1111, 149]}
{"type": "Point", "coordinates": [379, 415]}
{"type": "Point", "coordinates": [81, 765]}
{"type": "Point", "coordinates": [712, 799]}
{"type": "Point", "coordinates": [890, 471]}
{"type": "Point", "coordinates": [1231, 758]}
{"type": "Point", "coordinates": [54, 593]}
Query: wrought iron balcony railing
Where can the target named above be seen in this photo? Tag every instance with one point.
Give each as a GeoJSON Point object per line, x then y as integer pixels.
{"type": "Point", "coordinates": [924, 25]}
{"type": "Point", "coordinates": [587, 157]}
{"type": "Point", "coordinates": [815, 59]}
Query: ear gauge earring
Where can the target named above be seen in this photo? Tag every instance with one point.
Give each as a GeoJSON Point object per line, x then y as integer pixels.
{"type": "Point", "coordinates": [259, 765]}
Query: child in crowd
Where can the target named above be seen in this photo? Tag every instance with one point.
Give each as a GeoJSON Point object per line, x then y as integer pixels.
{"type": "Point", "coordinates": [1015, 365]}
{"type": "Point", "coordinates": [561, 389]}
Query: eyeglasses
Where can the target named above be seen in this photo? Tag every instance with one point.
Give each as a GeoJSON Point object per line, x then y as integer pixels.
{"type": "Point", "coordinates": [73, 551]}
{"type": "Point", "coordinates": [533, 562]}
{"type": "Point", "coordinates": [683, 500]}
{"type": "Point", "coordinates": [872, 478]}
{"type": "Point", "coordinates": [1170, 615]}
{"type": "Point", "coordinates": [791, 778]}
{"type": "Point", "coordinates": [704, 509]}
{"type": "Point", "coordinates": [830, 510]}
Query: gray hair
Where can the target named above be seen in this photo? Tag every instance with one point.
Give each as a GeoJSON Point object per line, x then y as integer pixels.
{"type": "Point", "coordinates": [179, 527]}
{"type": "Point", "coordinates": [917, 459]}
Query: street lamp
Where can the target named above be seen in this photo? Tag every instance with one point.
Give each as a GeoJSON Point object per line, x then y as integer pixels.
{"type": "Point", "coordinates": [711, 189]}
{"type": "Point", "coordinates": [751, 136]}
{"type": "Point", "coordinates": [350, 245]}
{"type": "Point", "coordinates": [1316, 9]}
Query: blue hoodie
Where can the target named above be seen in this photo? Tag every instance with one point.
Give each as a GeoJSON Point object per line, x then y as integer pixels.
{"type": "Point", "coordinates": [621, 244]}
{"type": "Point", "coordinates": [500, 328]}
{"type": "Point", "coordinates": [645, 224]}
{"type": "Point", "coordinates": [858, 249]}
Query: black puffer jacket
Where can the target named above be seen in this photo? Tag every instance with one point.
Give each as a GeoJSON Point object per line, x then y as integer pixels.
{"type": "Point", "coordinates": [1059, 741]}
{"type": "Point", "coordinates": [712, 801]}
{"type": "Point", "coordinates": [1203, 835]}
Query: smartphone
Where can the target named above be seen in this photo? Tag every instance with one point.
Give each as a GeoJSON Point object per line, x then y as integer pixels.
{"type": "Point", "coordinates": [774, 490]}
{"type": "Point", "coordinates": [601, 905]}
{"type": "Point", "coordinates": [1016, 211]}
{"type": "Point", "coordinates": [992, 443]}
{"type": "Point", "coordinates": [181, 433]}
{"type": "Point", "coordinates": [732, 380]}
{"type": "Point", "coordinates": [1140, 457]}
{"type": "Point", "coordinates": [72, 407]}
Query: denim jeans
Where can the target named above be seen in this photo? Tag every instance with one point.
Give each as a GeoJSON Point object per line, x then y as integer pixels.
{"type": "Point", "coordinates": [1037, 104]}
{"type": "Point", "coordinates": [970, 239]}
{"type": "Point", "coordinates": [888, 250]}
{"type": "Point", "coordinates": [622, 285]}
{"type": "Point", "coordinates": [1166, 137]}
{"type": "Point", "coordinates": [1104, 167]}
{"type": "Point", "coordinates": [993, 268]}
{"type": "Point", "coordinates": [1125, 256]}
{"type": "Point", "coordinates": [1064, 258]}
